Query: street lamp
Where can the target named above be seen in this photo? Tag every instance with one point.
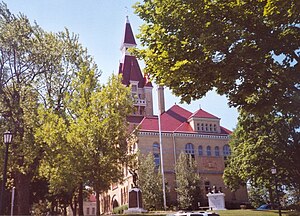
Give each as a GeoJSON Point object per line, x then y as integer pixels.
{"type": "Point", "coordinates": [7, 138]}
{"type": "Point", "coordinates": [274, 172]}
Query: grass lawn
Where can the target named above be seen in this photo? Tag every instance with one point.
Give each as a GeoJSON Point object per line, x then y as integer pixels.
{"type": "Point", "coordinates": [250, 213]}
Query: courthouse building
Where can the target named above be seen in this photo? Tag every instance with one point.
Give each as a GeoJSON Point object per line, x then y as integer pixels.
{"type": "Point", "coordinates": [196, 133]}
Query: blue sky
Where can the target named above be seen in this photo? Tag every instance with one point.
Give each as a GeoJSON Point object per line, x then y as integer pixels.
{"type": "Point", "coordinates": [100, 26]}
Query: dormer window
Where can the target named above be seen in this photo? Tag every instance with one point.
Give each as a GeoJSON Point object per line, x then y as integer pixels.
{"type": "Point", "coordinates": [134, 87]}
{"type": "Point", "coordinates": [198, 127]}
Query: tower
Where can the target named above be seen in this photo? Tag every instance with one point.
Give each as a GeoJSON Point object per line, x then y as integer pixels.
{"type": "Point", "coordinates": [141, 87]}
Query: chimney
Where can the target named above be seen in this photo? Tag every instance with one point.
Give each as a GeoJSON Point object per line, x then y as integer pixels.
{"type": "Point", "coordinates": [161, 99]}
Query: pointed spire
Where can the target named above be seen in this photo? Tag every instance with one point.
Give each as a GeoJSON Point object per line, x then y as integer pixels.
{"type": "Point", "coordinates": [128, 40]}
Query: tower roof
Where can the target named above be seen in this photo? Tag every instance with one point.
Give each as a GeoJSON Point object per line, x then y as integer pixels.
{"type": "Point", "coordinates": [128, 35]}
{"type": "Point", "coordinates": [131, 71]}
{"type": "Point", "coordinates": [129, 66]}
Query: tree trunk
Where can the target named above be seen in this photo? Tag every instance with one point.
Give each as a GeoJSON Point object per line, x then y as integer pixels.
{"type": "Point", "coordinates": [97, 204]}
{"type": "Point", "coordinates": [80, 199]}
{"type": "Point", "coordinates": [65, 210]}
{"type": "Point", "coordinates": [22, 188]}
{"type": "Point", "coordinates": [73, 204]}
{"type": "Point", "coordinates": [272, 200]}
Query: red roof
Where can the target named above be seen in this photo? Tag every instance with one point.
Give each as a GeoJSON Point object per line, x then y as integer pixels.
{"type": "Point", "coordinates": [130, 70]}
{"type": "Point", "coordinates": [176, 120]}
{"type": "Point", "coordinates": [203, 114]}
{"type": "Point", "coordinates": [92, 198]}
{"type": "Point", "coordinates": [128, 36]}
{"type": "Point", "coordinates": [129, 67]}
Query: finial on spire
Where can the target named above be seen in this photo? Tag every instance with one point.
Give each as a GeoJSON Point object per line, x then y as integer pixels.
{"type": "Point", "coordinates": [127, 12]}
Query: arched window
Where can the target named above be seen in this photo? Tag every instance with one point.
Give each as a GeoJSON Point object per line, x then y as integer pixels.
{"type": "Point", "coordinates": [156, 154]}
{"type": "Point", "coordinates": [217, 151]}
{"type": "Point", "coordinates": [189, 149]}
{"type": "Point", "coordinates": [226, 151]}
{"type": "Point", "coordinates": [208, 151]}
{"type": "Point", "coordinates": [200, 150]}
{"type": "Point", "coordinates": [155, 147]}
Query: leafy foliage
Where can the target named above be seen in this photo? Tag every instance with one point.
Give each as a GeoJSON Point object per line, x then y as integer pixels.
{"type": "Point", "coordinates": [248, 50]}
{"type": "Point", "coordinates": [51, 99]}
{"type": "Point", "coordinates": [261, 142]}
{"type": "Point", "coordinates": [187, 182]}
{"type": "Point", "coordinates": [150, 182]}
{"type": "Point", "coordinates": [258, 195]}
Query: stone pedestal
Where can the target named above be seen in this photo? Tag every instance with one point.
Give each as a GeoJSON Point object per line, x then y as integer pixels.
{"type": "Point", "coordinates": [135, 204]}
{"type": "Point", "coordinates": [216, 201]}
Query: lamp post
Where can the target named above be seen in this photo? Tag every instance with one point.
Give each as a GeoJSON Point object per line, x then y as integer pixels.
{"type": "Point", "coordinates": [7, 138]}
{"type": "Point", "coordinates": [274, 172]}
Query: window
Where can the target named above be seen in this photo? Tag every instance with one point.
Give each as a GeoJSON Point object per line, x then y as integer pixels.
{"type": "Point", "coordinates": [206, 127]}
{"type": "Point", "coordinates": [207, 186]}
{"type": "Point", "coordinates": [93, 211]}
{"type": "Point", "coordinates": [210, 127]}
{"type": "Point", "coordinates": [155, 147]}
{"type": "Point", "coordinates": [200, 150]}
{"type": "Point", "coordinates": [217, 151]}
{"type": "Point", "coordinates": [202, 127]}
{"type": "Point", "coordinates": [87, 210]}
{"type": "Point", "coordinates": [215, 127]}
{"type": "Point", "coordinates": [156, 154]}
{"type": "Point", "coordinates": [198, 127]}
{"type": "Point", "coordinates": [226, 151]}
{"type": "Point", "coordinates": [134, 87]}
{"type": "Point", "coordinates": [156, 159]}
{"type": "Point", "coordinates": [208, 151]}
{"type": "Point", "coordinates": [189, 149]}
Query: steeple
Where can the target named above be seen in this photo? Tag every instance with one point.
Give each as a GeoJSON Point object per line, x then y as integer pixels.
{"type": "Point", "coordinates": [141, 86]}
{"type": "Point", "coordinates": [128, 39]}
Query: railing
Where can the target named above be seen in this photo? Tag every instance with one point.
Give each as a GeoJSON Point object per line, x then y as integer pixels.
{"type": "Point", "coordinates": [139, 102]}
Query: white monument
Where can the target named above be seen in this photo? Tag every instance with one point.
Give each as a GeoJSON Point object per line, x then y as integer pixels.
{"type": "Point", "coordinates": [216, 200]}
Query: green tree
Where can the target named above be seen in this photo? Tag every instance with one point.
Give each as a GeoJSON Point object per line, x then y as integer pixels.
{"type": "Point", "coordinates": [36, 69]}
{"type": "Point", "coordinates": [261, 142]}
{"type": "Point", "coordinates": [150, 182]}
{"type": "Point", "coordinates": [187, 182]}
{"type": "Point", "coordinates": [258, 195]}
{"type": "Point", "coordinates": [99, 131]}
{"type": "Point", "coordinates": [247, 50]}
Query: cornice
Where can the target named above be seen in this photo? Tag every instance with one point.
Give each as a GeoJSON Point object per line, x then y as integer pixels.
{"type": "Point", "coordinates": [178, 134]}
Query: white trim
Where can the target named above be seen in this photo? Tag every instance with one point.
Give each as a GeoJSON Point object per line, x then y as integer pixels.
{"type": "Point", "coordinates": [146, 133]}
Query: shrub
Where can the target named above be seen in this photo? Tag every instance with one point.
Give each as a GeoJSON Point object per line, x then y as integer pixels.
{"type": "Point", "coordinates": [120, 209]}
{"type": "Point", "coordinates": [294, 213]}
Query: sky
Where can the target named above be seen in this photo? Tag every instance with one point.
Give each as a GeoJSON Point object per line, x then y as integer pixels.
{"type": "Point", "coordinates": [100, 26]}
